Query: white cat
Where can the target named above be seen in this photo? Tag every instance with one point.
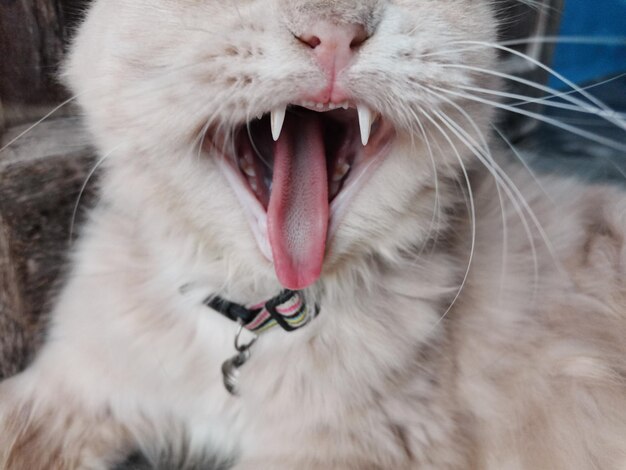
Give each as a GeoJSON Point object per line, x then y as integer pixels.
{"type": "Point", "coordinates": [449, 313]}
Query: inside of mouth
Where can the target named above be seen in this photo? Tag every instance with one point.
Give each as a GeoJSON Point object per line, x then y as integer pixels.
{"type": "Point", "coordinates": [255, 148]}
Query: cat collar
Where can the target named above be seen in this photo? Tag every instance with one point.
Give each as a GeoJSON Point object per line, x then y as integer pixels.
{"type": "Point", "coordinates": [288, 310]}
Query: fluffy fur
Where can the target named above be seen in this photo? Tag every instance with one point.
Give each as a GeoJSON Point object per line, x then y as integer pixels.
{"type": "Point", "coordinates": [417, 361]}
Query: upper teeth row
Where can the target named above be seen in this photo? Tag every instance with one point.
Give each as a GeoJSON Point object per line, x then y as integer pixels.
{"type": "Point", "coordinates": [366, 116]}
{"type": "Point", "coordinates": [321, 106]}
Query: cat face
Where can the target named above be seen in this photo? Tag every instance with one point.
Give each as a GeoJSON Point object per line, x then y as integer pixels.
{"type": "Point", "coordinates": [249, 119]}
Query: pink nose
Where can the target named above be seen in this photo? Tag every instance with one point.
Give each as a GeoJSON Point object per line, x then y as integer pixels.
{"type": "Point", "coordinates": [334, 46]}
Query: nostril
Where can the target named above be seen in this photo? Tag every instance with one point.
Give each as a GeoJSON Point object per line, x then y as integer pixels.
{"type": "Point", "coordinates": [310, 40]}
{"type": "Point", "coordinates": [333, 36]}
{"type": "Point", "coordinates": [359, 36]}
{"type": "Point", "coordinates": [333, 46]}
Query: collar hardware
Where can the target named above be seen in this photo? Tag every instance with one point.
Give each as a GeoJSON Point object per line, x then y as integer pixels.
{"type": "Point", "coordinates": [287, 310]}
{"type": "Point", "coordinates": [230, 367]}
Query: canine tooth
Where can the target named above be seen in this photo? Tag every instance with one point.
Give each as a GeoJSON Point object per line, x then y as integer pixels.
{"type": "Point", "coordinates": [277, 120]}
{"type": "Point", "coordinates": [340, 171]}
{"type": "Point", "coordinates": [365, 122]}
{"type": "Point", "coordinates": [248, 169]}
{"type": "Point", "coordinates": [345, 105]}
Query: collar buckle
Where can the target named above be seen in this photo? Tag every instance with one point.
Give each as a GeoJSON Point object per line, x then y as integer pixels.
{"type": "Point", "coordinates": [288, 310]}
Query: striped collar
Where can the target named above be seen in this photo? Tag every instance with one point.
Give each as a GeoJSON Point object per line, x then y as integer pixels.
{"type": "Point", "coordinates": [288, 310]}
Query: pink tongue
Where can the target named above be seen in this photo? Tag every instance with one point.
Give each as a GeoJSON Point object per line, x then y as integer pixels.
{"type": "Point", "coordinates": [297, 215]}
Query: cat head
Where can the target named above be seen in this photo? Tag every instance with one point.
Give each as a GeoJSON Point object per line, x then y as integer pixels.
{"type": "Point", "coordinates": [296, 137]}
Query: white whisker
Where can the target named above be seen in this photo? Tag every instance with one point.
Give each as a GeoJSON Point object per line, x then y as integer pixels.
{"type": "Point", "coordinates": [31, 127]}
{"type": "Point", "coordinates": [609, 114]}
{"type": "Point", "coordinates": [82, 191]}
{"type": "Point", "coordinates": [555, 74]}
{"type": "Point", "coordinates": [472, 215]}
{"type": "Point", "coordinates": [501, 177]}
{"type": "Point", "coordinates": [524, 163]}
{"type": "Point", "coordinates": [581, 40]}
{"type": "Point", "coordinates": [543, 101]}
{"type": "Point", "coordinates": [502, 180]}
{"type": "Point", "coordinates": [516, 194]}
{"type": "Point", "coordinates": [436, 207]}
{"type": "Point", "coordinates": [561, 94]}
{"type": "Point", "coordinates": [548, 120]}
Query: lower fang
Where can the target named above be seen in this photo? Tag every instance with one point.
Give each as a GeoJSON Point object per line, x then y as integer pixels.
{"type": "Point", "coordinates": [340, 171]}
{"type": "Point", "coordinates": [248, 169]}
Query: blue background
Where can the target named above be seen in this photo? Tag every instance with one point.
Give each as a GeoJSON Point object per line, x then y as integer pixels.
{"type": "Point", "coordinates": [603, 18]}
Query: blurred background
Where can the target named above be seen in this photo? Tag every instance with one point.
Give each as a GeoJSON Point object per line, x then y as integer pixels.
{"type": "Point", "coordinates": [592, 18]}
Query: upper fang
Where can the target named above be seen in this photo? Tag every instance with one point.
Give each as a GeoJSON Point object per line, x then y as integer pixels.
{"type": "Point", "coordinates": [365, 122]}
{"type": "Point", "coordinates": [277, 119]}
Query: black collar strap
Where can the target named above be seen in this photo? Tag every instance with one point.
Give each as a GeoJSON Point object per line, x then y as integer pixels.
{"type": "Point", "coordinates": [288, 310]}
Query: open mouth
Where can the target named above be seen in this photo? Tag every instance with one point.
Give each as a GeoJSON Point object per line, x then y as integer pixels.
{"type": "Point", "coordinates": [294, 171]}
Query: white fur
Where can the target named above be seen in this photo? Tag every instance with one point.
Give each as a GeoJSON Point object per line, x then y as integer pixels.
{"type": "Point", "coordinates": [525, 370]}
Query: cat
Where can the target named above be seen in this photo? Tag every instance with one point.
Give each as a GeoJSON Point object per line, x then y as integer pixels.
{"type": "Point", "coordinates": [266, 157]}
